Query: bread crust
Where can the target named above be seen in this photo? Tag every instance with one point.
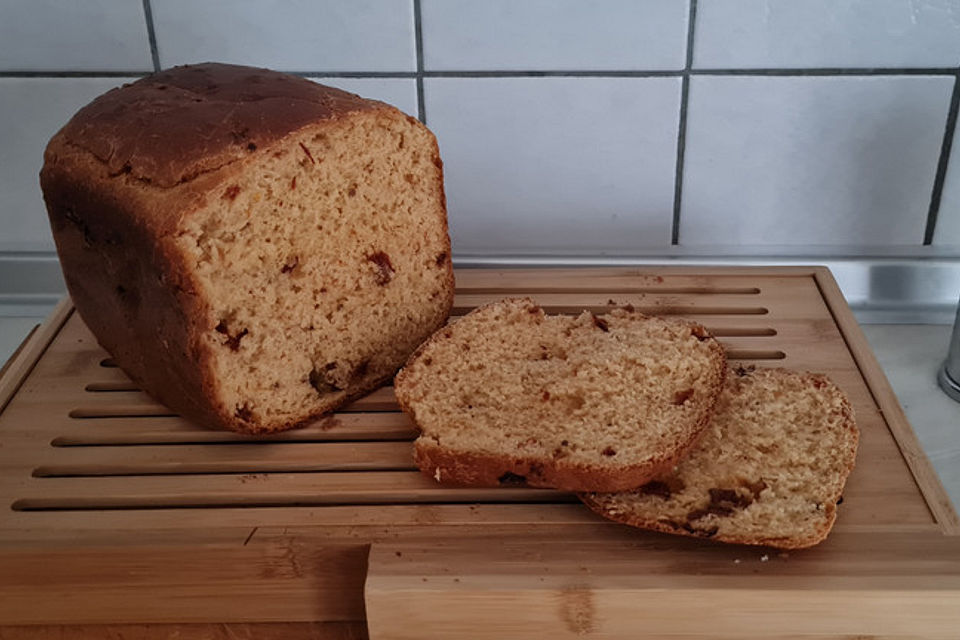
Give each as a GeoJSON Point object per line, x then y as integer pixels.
{"type": "Point", "coordinates": [799, 541]}
{"type": "Point", "coordinates": [125, 174]}
{"type": "Point", "coordinates": [468, 468]}
{"type": "Point", "coordinates": [472, 468]}
{"type": "Point", "coordinates": [175, 125]}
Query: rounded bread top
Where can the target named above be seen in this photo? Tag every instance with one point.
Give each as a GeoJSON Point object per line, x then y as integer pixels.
{"type": "Point", "coordinates": [175, 125]}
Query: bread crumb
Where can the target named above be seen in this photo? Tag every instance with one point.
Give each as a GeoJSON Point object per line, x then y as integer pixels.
{"type": "Point", "coordinates": [764, 558]}
{"type": "Point", "coordinates": [436, 474]}
{"type": "Point", "coordinates": [736, 561]}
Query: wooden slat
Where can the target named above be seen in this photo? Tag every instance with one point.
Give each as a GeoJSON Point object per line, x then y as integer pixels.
{"type": "Point", "coordinates": [266, 580]}
{"type": "Point", "coordinates": [526, 589]}
{"type": "Point", "coordinates": [384, 487]}
{"type": "Point", "coordinates": [681, 304]}
{"type": "Point", "coordinates": [515, 282]}
{"type": "Point", "coordinates": [937, 498]}
{"type": "Point", "coordinates": [19, 366]}
{"type": "Point", "coordinates": [206, 631]}
{"type": "Point", "coordinates": [170, 430]}
{"type": "Point", "coordinates": [225, 458]}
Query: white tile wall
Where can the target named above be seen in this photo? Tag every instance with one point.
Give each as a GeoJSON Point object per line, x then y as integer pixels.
{"type": "Point", "coordinates": [554, 34]}
{"type": "Point", "coordinates": [556, 164]}
{"type": "Point", "coordinates": [290, 35]}
{"type": "Point", "coordinates": [948, 220]}
{"type": "Point", "coordinates": [400, 92]}
{"type": "Point", "coordinates": [827, 33]}
{"type": "Point", "coordinates": [46, 104]}
{"type": "Point", "coordinates": [811, 160]}
{"type": "Point", "coordinates": [93, 35]}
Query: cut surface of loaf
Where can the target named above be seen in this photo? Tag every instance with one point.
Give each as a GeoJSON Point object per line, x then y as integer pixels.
{"type": "Point", "coordinates": [509, 395]}
{"type": "Point", "coordinates": [254, 249]}
{"type": "Point", "coordinates": [769, 471]}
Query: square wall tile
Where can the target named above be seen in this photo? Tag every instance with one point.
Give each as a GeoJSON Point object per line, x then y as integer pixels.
{"type": "Point", "coordinates": [31, 111]}
{"type": "Point", "coordinates": [757, 34]}
{"type": "Point", "coordinates": [536, 165]}
{"type": "Point", "coordinates": [811, 160]}
{"type": "Point", "coordinates": [93, 35]}
{"type": "Point", "coordinates": [947, 232]}
{"type": "Point", "coordinates": [288, 35]}
{"type": "Point", "coordinates": [503, 35]}
{"type": "Point", "coordinates": [400, 92]}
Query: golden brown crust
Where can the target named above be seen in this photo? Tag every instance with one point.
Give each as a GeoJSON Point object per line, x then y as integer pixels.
{"type": "Point", "coordinates": [172, 126]}
{"type": "Point", "coordinates": [800, 540]}
{"type": "Point", "coordinates": [143, 292]}
{"type": "Point", "coordinates": [473, 468]}
{"type": "Point", "coordinates": [803, 542]}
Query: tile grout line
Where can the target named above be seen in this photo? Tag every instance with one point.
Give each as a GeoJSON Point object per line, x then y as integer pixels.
{"type": "Point", "coordinates": [151, 35]}
{"type": "Point", "coordinates": [418, 39]}
{"type": "Point", "coordinates": [830, 71]}
{"type": "Point", "coordinates": [682, 126]}
{"type": "Point", "coordinates": [597, 73]}
{"type": "Point", "coordinates": [943, 163]}
{"type": "Point", "coordinates": [73, 74]}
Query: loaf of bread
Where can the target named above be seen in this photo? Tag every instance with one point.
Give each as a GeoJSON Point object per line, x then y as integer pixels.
{"type": "Point", "coordinates": [508, 395]}
{"type": "Point", "coordinates": [769, 471]}
{"type": "Point", "coordinates": [254, 249]}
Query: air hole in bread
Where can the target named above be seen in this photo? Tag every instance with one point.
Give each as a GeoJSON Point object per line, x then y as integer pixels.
{"type": "Point", "coordinates": [320, 379]}
{"type": "Point", "coordinates": [233, 339]}
{"type": "Point", "coordinates": [360, 371]}
{"type": "Point", "coordinates": [510, 479]}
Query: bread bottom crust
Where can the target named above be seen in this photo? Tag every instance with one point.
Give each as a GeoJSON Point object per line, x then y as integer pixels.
{"type": "Point", "coordinates": [477, 469]}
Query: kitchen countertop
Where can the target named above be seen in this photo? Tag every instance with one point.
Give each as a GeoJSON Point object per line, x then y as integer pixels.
{"type": "Point", "coordinates": [910, 355]}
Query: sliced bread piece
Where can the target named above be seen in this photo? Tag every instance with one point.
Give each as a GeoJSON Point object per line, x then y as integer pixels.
{"type": "Point", "coordinates": [509, 395]}
{"type": "Point", "coordinates": [770, 470]}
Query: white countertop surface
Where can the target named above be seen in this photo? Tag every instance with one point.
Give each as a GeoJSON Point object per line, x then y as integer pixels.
{"type": "Point", "coordinates": [909, 354]}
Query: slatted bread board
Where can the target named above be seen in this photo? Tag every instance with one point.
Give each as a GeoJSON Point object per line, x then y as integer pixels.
{"type": "Point", "coordinates": [122, 518]}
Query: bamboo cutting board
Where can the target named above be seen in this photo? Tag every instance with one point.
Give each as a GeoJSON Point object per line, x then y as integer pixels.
{"type": "Point", "coordinates": [118, 517]}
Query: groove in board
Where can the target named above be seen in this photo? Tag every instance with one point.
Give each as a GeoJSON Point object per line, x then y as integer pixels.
{"type": "Point", "coordinates": [464, 307]}
{"type": "Point", "coordinates": [260, 489]}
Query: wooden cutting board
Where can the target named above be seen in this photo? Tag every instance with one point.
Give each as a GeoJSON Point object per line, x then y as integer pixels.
{"type": "Point", "coordinates": [115, 512]}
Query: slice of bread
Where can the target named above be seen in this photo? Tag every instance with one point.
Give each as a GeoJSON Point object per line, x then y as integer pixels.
{"type": "Point", "coordinates": [508, 395]}
{"type": "Point", "coordinates": [770, 470]}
